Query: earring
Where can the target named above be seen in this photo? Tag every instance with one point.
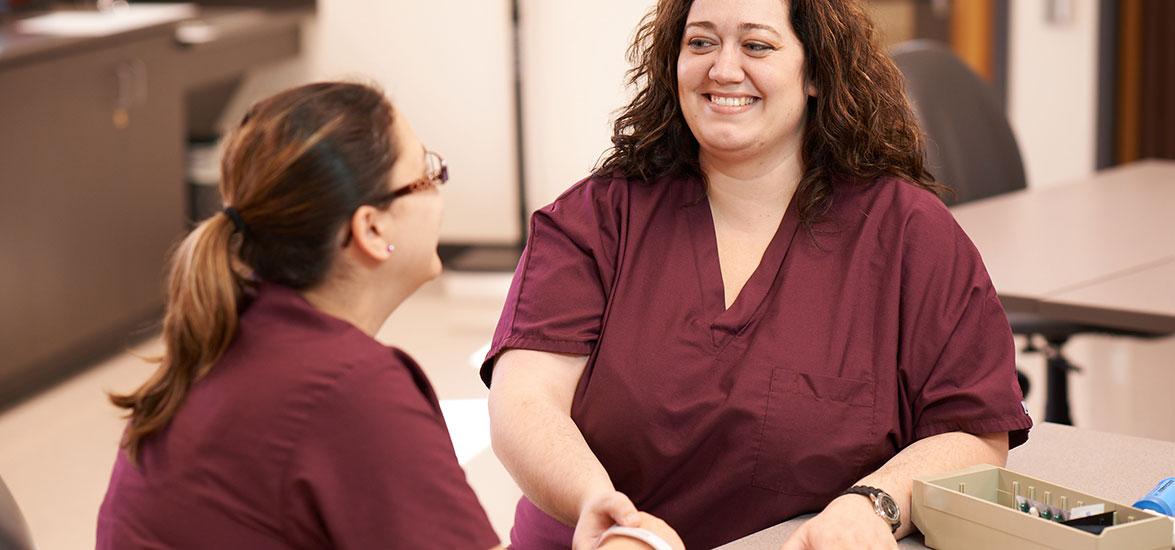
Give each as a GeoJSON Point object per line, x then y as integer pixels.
{"type": "Point", "coordinates": [391, 248]}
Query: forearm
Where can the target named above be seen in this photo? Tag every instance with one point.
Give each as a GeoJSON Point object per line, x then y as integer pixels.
{"type": "Point", "coordinates": [547, 456]}
{"type": "Point", "coordinates": [936, 454]}
{"type": "Point", "coordinates": [535, 437]}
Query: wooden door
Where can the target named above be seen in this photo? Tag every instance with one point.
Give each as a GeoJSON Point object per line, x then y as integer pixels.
{"type": "Point", "coordinates": [1145, 114]}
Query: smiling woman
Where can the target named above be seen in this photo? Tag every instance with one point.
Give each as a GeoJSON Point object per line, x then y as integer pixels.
{"type": "Point", "coordinates": [757, 306]}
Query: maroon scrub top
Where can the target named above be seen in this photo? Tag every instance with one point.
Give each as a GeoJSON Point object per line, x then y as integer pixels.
{"type": "Point", "coordinates": [306, 434]}
{"type": "Point", "coordinates": [849, 342]}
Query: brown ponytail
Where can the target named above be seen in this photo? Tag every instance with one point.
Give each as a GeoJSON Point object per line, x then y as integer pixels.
{"type": "Point", "coordinates": [201, 319]}
{"type": "Point", "coordinates": [295, 170]}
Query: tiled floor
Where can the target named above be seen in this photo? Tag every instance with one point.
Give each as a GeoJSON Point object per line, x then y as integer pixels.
{"type": "Point", "coordinates": [56, 449]}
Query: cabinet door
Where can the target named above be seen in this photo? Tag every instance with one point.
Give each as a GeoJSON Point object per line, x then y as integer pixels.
{"type": "Point", "coordinates": [90, 206]}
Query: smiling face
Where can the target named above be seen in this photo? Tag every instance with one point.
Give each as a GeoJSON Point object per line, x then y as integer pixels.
{"type": "Point", "coordinates": [740, 74]}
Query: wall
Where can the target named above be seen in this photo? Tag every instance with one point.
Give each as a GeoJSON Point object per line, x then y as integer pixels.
{"type": "Point", "coordinates": [460, 97]}
{"type": "Point", "coordinates": [447, 65]}
{"type": "Point", "coordinates": [1052, 87]}
{"type": "Point", "coordinates": [573, 59]}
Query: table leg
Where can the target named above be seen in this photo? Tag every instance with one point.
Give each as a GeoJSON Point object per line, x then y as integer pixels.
{"type": "Point", "coordinates": [1056, 407]}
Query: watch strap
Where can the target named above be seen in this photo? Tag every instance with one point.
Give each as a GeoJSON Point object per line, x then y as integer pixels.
{"type": "Point", "coordinates": [863, 490]}
{"type": "Point", "coordinates": [874, 495]}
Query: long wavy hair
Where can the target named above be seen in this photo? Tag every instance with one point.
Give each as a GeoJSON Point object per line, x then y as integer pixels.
{"type": "Point", "coordinates": [860, 125]}
{"type": "Point", "coordinates": [294, 171]}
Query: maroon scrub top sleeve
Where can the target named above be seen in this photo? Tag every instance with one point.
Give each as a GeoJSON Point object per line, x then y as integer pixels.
{"type": "Point", "coordinates": [958, 358]}
{"type": "Point", "coordinates": [556, 301]}
{"type": "Point", "coordinates": [379, 470]}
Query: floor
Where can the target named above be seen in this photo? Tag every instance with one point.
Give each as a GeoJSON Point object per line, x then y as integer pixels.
{"type": "Point", "coordinates": [58, 447]}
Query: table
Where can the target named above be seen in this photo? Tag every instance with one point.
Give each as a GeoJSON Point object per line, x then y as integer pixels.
{"type": "Point", "coordinates": [1073, 457]}
{"type": "Point", "coordinates": [1044, 248]}
{"type": "Point", "coordinates": [1100, 251]}
{"type": "Point", "coordinates": [1140, 299]}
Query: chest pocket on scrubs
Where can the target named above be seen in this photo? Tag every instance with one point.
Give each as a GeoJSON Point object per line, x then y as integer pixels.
{"type": "Point", "coordinates": [815, 435]}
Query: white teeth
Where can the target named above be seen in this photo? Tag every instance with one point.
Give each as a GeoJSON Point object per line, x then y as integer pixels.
{"type": "Point", "coordinates": [731, 101]}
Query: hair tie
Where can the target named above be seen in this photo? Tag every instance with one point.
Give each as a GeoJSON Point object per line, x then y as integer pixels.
{"type": "Point", "coordinates": [238, 222]}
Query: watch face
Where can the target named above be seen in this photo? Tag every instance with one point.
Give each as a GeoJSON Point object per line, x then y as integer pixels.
{"type": "Point", "coordinates": [887, 507]}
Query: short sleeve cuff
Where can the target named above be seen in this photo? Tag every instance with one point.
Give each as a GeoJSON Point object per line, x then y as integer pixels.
{"type": "Point", "coordinates": [1016, 426]}
{"type": "Point", "coordinates": [534, 344]}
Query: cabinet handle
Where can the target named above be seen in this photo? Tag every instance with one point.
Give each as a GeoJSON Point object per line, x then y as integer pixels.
{"type": "Point", "coordinates": [139, 70]}
{"type": "Point", "coordinates": [132, 90]}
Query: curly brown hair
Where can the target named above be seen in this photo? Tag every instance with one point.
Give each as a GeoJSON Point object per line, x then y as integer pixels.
{"type": "Point", "coordinates": [860, 125]}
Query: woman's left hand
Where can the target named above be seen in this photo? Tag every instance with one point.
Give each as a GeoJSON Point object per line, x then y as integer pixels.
{"type": "Point", "coordinates": [847, 522]}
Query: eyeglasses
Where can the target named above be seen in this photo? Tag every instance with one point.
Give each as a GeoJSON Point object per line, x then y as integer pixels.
{"type": "Point", "coordinates": [437, 174]}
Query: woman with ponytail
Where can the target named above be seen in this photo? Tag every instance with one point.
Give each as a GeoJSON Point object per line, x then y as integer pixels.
{"type": "Point", "coordinates": [275, 419]}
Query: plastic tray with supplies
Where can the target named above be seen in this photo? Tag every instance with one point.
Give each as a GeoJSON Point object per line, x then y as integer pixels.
{"type": "Point", "coordinates": [987, 507]}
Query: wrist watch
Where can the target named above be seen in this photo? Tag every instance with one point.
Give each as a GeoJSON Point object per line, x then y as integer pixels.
{"type": "Point", "coordinates": [883, 504]}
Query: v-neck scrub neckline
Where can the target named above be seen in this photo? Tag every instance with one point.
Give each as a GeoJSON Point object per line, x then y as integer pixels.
{"type": "Point", "coordinates": [751, 297]}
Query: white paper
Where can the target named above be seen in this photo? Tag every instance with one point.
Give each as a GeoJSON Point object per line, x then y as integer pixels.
{"type": "Point", "coordinates": [469, 426]}
{"type": "Point", "coordinates": [1087, 510]}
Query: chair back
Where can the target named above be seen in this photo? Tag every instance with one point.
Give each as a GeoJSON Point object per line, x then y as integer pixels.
{"type": "Point", "coordinates": [970, 147]}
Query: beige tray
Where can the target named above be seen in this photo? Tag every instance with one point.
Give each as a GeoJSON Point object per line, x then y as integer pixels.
{"type": "Point", "coordinates": [982, 517]}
